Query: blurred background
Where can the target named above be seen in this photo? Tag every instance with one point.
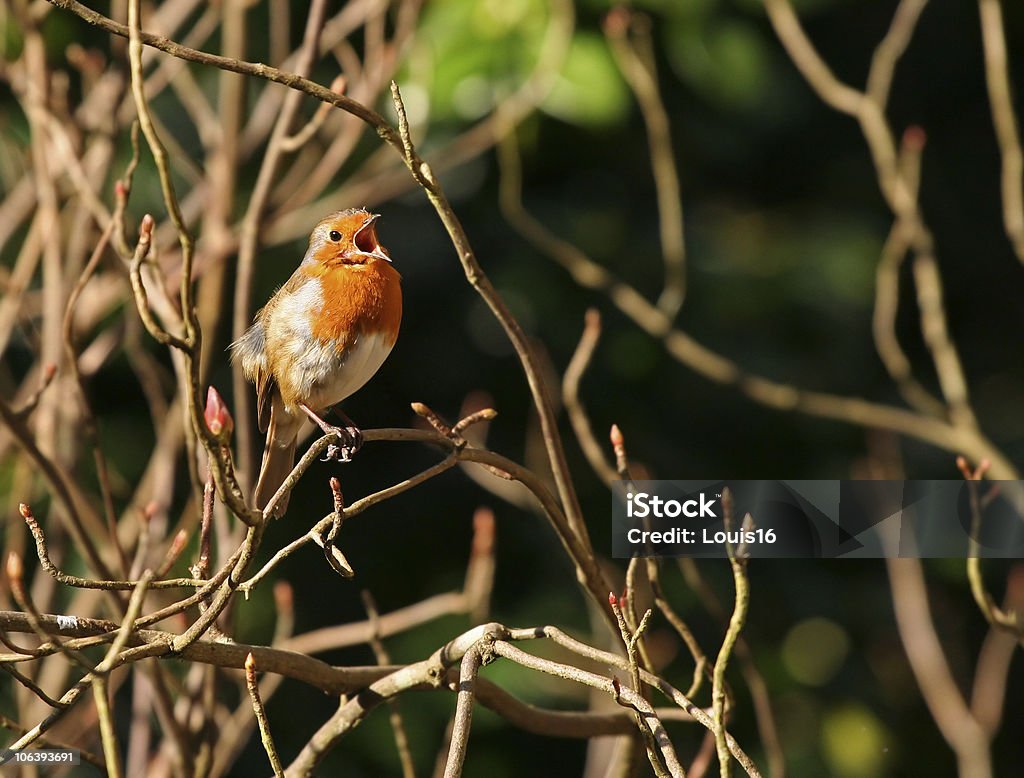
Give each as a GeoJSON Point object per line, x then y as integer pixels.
{"type": "Point", "coordinates": [784, 227]}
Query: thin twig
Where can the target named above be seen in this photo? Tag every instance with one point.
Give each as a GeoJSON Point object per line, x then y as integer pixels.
{"type": "Point", "coordinates": [986, 603]}
{"type": "Point", "coordinates": [1000, 97]}
{"type": "Point", "coordinates": [81, 521]}
{"type": "Point", "coordinates": [89, 583]}
{"type": "Point", "coordinates": [755, 681]}
{"type": "Point", "coordinates": [108, 733]}
{"type": "Point", "coordinates": [578, 416]}
{"type": "Point", "coordinates": [316, 533]}
{"type": "Point", "coordinates": [14, 570]}
{"type": "Point", "coordinates": [887, 291]}
{"type": "Point", "coordinates": [630, 37]}
{"type": "Point", "coordinates": [895, 188]}
{"type": "Point", "coordinates": [261, 716]}
{"type": "Point", "coordinates": [392, 623]}
{"type": "Point", "coordinates": [630, 639]}
{"type": "Point", "coordinates": [155, 329]}
{"type": "Point", "coordinates": [645, 712]}
{"type": "Point", "coordinates": [302, 136]}
{"type": "Point", "coordinates": [931, 669]}
{"type": "Point", "coordinates": [31, 685]}
{"type": "Point", "coordinates": [395, 715]}
{"type": "Point", "coordinates": [700, 660]}
{"type": "Point", "coordinates": [736, 622]}
{"type": "Point", "coordinates": [90, 425]}
{"type": "Point", "coordinates": [888, 53]}
{"type": "Point", "coordinates": [255, 69]}
{"type": "Point", "coordinates": [988, 694]}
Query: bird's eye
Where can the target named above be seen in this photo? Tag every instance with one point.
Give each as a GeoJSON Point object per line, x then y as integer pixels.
{"type": "Point", "coordinates": [334, 235]}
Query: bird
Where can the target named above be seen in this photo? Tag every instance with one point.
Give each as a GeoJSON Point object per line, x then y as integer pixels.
{"type": "Point", "coordinates": [319, 339]}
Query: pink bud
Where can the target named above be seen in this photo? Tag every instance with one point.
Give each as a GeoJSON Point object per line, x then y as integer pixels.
{"type": "Point", "coordinates": [218, 418]}
{"type": "Point", "coordinates": [616, 436]}
{"type": "Point", "coordinates": [983, 467]}
{"type": "Point", "coordinates": [617, 21]}
{"type": "Point", "coordinates": [914, 137]}
{"type": "Point", "coordinates": [963, 467]}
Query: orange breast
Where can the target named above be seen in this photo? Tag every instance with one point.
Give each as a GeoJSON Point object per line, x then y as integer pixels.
{"type": "Point", "coordinates": [358, 299]}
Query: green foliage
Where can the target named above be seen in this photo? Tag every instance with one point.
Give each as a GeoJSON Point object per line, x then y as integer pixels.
{"type": "Point", "coordinates": [855, 742]}
{"type": "Point", "coordinates": [472, 54]}
{"type": "Point", "coordinates": [725, 60]}
{"type": "Point", "coordinates": [590, 91]}
{"type": "Point", "coordinates": [814, 650]}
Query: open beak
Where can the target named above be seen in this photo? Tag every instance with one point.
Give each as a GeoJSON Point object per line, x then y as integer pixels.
{"type": "Point", "coordinates": [366, 242]}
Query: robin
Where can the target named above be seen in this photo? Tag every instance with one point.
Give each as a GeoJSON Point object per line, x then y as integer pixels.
{"type": "Point", "coordinates": [319, 339]}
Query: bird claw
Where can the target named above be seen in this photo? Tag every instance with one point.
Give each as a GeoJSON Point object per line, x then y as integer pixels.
{"type": "Point", "coordinates": [350, 440]}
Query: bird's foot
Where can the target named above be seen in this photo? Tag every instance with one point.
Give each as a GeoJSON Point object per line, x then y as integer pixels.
{"type": "Point", "coordinates": [349, 441]}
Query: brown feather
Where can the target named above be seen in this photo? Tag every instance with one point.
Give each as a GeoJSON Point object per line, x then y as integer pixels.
{"type": "Point", "coordinates": [278, 455]}
{"type": "Point", "coordinates": [265, 389]}
{"type": "Point", "coordinates": [363, 299]}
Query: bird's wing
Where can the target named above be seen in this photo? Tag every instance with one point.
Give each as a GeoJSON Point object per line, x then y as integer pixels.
{"type": "Point", "coordinates": [250, 351]}
{"type": "Point", "coordinates": [266, 388]}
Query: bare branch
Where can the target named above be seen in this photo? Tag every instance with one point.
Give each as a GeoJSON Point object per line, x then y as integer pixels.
{"type": "Point", "coordinates": [261, 716]}
{"type": "Point", "coordinates": [1000, 97]}
{"type": "Point", "coordinates": [736, 622]}
{"type": "Point", "coordinates": [89, 583]}
{"type": "Point", "coordinates": [630, 37]}
{"type": "Point", "coordinates": [931, 669]}
{"type": "Point", "coordinates": [468, 670]}
{"type": "Point", "coordinates": [397, 726]}
{"type": "Point", "coordinates": [578, 416]}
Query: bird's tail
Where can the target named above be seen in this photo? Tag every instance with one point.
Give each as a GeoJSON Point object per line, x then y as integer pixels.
{"type": "Point", "coordinates": [278, 458]}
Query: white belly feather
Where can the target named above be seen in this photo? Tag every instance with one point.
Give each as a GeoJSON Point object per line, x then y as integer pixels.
{"type": "Point", "coordinates": [320, 373]}
{"type": "Point", "coordinates": [346, 373]}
